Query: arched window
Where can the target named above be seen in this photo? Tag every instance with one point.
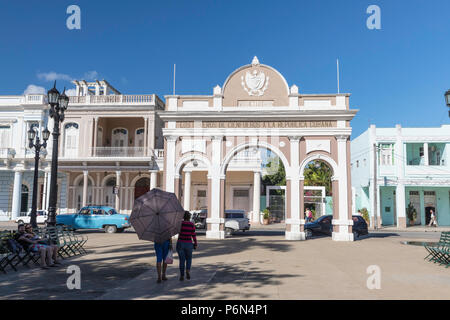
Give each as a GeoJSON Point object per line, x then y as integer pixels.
{"type": "Point", "coordinates": [71, 133]}
{"type": "Point", "coordinates": [24, 200]}
{"type": "Point", "coordinates": [79, 194]}
{"type": "Point", "coordinates": [119, 138]}
{"type": "Point", "coordinates": [140, 138]}
{"type": "Point", "coordinates": [109, 192]}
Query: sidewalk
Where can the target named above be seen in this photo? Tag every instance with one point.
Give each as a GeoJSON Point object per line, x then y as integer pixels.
{"type": "Point", "coordinates": [414, 229]}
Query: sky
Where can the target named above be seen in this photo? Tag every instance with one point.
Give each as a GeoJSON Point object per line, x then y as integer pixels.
{"type": "Point", "coordinates": [395, 75]}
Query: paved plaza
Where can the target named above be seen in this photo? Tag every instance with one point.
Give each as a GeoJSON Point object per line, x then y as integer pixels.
{"type": "Point", "coordinates": [259, 264]}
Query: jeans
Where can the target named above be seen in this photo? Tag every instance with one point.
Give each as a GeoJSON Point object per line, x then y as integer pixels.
{"type": "Point", "coordinates": [184, 250]}
{"type": "Point", "coordinates": [161, 250]}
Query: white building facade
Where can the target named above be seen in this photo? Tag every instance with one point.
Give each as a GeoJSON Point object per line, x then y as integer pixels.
{"type": "Point", "coordinates": [413, 166]}
{"type": "Point", "coordinates": [17, 115]}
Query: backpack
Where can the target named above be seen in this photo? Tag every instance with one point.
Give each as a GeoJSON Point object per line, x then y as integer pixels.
{"type": "Point", "coordinates": [14, 246]}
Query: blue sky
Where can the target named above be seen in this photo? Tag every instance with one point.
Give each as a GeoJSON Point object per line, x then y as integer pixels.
{"type": "Point", "coordinates": [396, 75]}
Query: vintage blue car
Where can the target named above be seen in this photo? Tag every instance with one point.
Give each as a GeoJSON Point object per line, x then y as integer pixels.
{"type": "Point", "coordinates": [95, 217]}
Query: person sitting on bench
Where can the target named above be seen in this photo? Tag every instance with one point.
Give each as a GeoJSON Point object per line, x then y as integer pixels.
{"type": "Point", "coordinates": [30, 242]}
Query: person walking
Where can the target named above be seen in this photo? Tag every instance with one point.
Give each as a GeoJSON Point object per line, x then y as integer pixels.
{"type": "Point", "coordinates": [185, 245]}
{"type": "Point", "coordinates": [433, 221]}
{"type": "Point", "coordinates": [161, 250]}
{"type": "Point", "coordinates": [308, 215]}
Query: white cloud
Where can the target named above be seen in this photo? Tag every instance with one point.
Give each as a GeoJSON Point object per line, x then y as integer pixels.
{"type": "Point", "coordinates": [52, 76]}
{"type": "Point", "coordinates": [33, 89]}
{"type": "Point", "coordinates": [71, 92]}
{"type": "Point", "coordinates": [91, 75]}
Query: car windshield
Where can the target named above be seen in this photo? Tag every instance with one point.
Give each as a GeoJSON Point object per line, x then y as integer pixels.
{"type": "Point", "coordinates": [234, 215]}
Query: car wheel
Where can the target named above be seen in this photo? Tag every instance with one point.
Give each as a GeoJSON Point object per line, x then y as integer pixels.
{"type": "Point", "coordinates": [228, 231]}
{"type": "Point", "coordinates": [308, 233]}
{"type": "Point", "coordinates": [110, 229]}
{"type": "Point", "coordinates": [355, 235]}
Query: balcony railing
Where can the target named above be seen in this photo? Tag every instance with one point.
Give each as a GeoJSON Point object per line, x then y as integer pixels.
{"type": "Point", "coordinates": [126, 152]}
{"type": "Point", "coordinates": [7, 153]}
{"type": "Point", "coordinates": [114, 99]}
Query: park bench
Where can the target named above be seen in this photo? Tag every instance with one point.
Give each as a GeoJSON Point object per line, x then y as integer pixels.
{"type": "Point", "coordinates": [13, 259]}
{"type": "Point", "coordinates": [68, 242]}
{"type": "Point", "coordinates": [440, 252]}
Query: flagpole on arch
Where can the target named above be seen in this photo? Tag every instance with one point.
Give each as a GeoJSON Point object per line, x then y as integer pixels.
{"type": "Point", "coordinates": [337, 66]}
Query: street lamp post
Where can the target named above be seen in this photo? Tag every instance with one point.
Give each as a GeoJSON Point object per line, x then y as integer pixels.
{"type": "Point", "coordinates": [447, 100]}
{"type": "Point", "coordinates": [58, 105]}
{"type": "Point", "coordinates": [34, 142]}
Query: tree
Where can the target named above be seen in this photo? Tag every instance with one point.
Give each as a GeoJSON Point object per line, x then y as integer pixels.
{"type": "Point", "coordinates": [275, 178]}
{"type": "Point", "coordinates": [319, 176]}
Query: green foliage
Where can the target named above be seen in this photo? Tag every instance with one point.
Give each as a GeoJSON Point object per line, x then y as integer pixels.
{"type": "Point", "coordinates": [411, 212]}
{"type": "Point", "coordinates": [318, 177]}
{"type": "Point", "coordinates": [266, 214]}
{"type": "Point", "coordinates": [276, 178]}
{"type": "Point", "coordinates": [365, 215]}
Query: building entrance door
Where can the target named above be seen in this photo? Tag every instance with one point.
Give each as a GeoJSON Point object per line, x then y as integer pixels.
{"type": "Point", "coordinates": [430, 204]}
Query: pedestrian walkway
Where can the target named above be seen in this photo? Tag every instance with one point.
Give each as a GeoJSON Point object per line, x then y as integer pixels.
{"type": "Point", "coordinates": [251, 265]}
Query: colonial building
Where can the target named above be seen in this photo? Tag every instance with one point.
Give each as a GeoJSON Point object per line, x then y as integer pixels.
{"type": "Point", "coordinates": [256, 109]}
{"type": "Point", "coordinates": [17, 115]}
{"type": "Point", "coordinates": [413, 166]}
{"type": "Point", "coordinates": [111, 146]}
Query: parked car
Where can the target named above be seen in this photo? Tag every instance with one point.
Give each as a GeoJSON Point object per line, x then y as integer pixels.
{"type": "Point", "coordinates": [95, 217]}
{"type": "Point", "coordinates": [198, 217]}
{"type": "Point", "coordinates": [323, 225]}
{"type": "Point", "coordinates": [236, 220]}
{"type": "Point", "coordinates": [41, 217]}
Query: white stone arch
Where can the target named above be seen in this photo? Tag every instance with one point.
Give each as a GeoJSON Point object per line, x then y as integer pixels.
{"type": "Point", "coordinates": [261, 65]}
{"type": "Point", "coordinates": [319, 156]}
{"type": "Point", "coordinates": [107, 177]}
{"type": "Point", "coordinates": [77, 179]}
{"type": "Point", "coordinates": [189, 157]}
{"type": "Point", "coordinates": [139, 177]}
{"type": "Point", "coordinates": [261, 144]}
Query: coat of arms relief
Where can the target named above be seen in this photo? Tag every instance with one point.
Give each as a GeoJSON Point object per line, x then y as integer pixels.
{"type": "Point", "coordinates": [255, 82]}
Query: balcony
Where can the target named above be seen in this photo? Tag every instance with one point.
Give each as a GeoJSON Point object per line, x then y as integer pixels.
{"type": "Point", "coordinates": [126, 152]}
{"type": "Point", "coordinates": [7, 153]}
{"type": "Point", "coordinates": [143, 99]}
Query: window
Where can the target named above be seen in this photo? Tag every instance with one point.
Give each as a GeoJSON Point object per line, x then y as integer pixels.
{"type": "Point", "coordinates": [357, 163]}
{"type": "Point", "coordinates": [71, 139]}
{"type": "Point", "coordinates": [386, 156]}
{"type": "Point", "coordinates": [415, 154]}
{"type": "Point", "coordinates": [436, 154]}
{"type": "Point", "coordinates": [5, 137]}
{"type": "Point", "coordinates": [240, 193]}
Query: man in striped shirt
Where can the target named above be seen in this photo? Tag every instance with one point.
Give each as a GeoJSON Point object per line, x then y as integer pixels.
{"type": "Point", "coordinates": [185, 245]}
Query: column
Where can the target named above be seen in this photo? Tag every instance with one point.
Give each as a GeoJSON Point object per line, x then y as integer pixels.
{"type": "Point", "coordinates": [344, 223]}
{"type": "Point", "coordinates": [256, 196]}
{"type": "Point", "coordinates": [294, 224]}
{"type": "Point", "coordinates": [118, 173]}
{"type": "Point", "coordinates": [187, 190]}
{"type": "Point", "coordinates": [17, 194]}
{"type": "Point", "coordinates": [94, 149]}
{"type": "Point", "coordinates": [85, 188]}
{"type": "Point", "coordinates": [170, 162]}
{"type": "Point", "coordinates": [126, 203]}
{"type": "Point", "coordinates": [44, 192]}
{"type": "Point", "coordinates": [425, 154]}
{"type": "Point", "coordinates": [215, 221]}
{"type": "Point", "coordinates": [153, 179]}
{"type": "Point", "coordinates": [146, 136]}
{"type": "Point", "coordinates": [49, 179]}
{"type": "Point", "coordinates": [400, 203]}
